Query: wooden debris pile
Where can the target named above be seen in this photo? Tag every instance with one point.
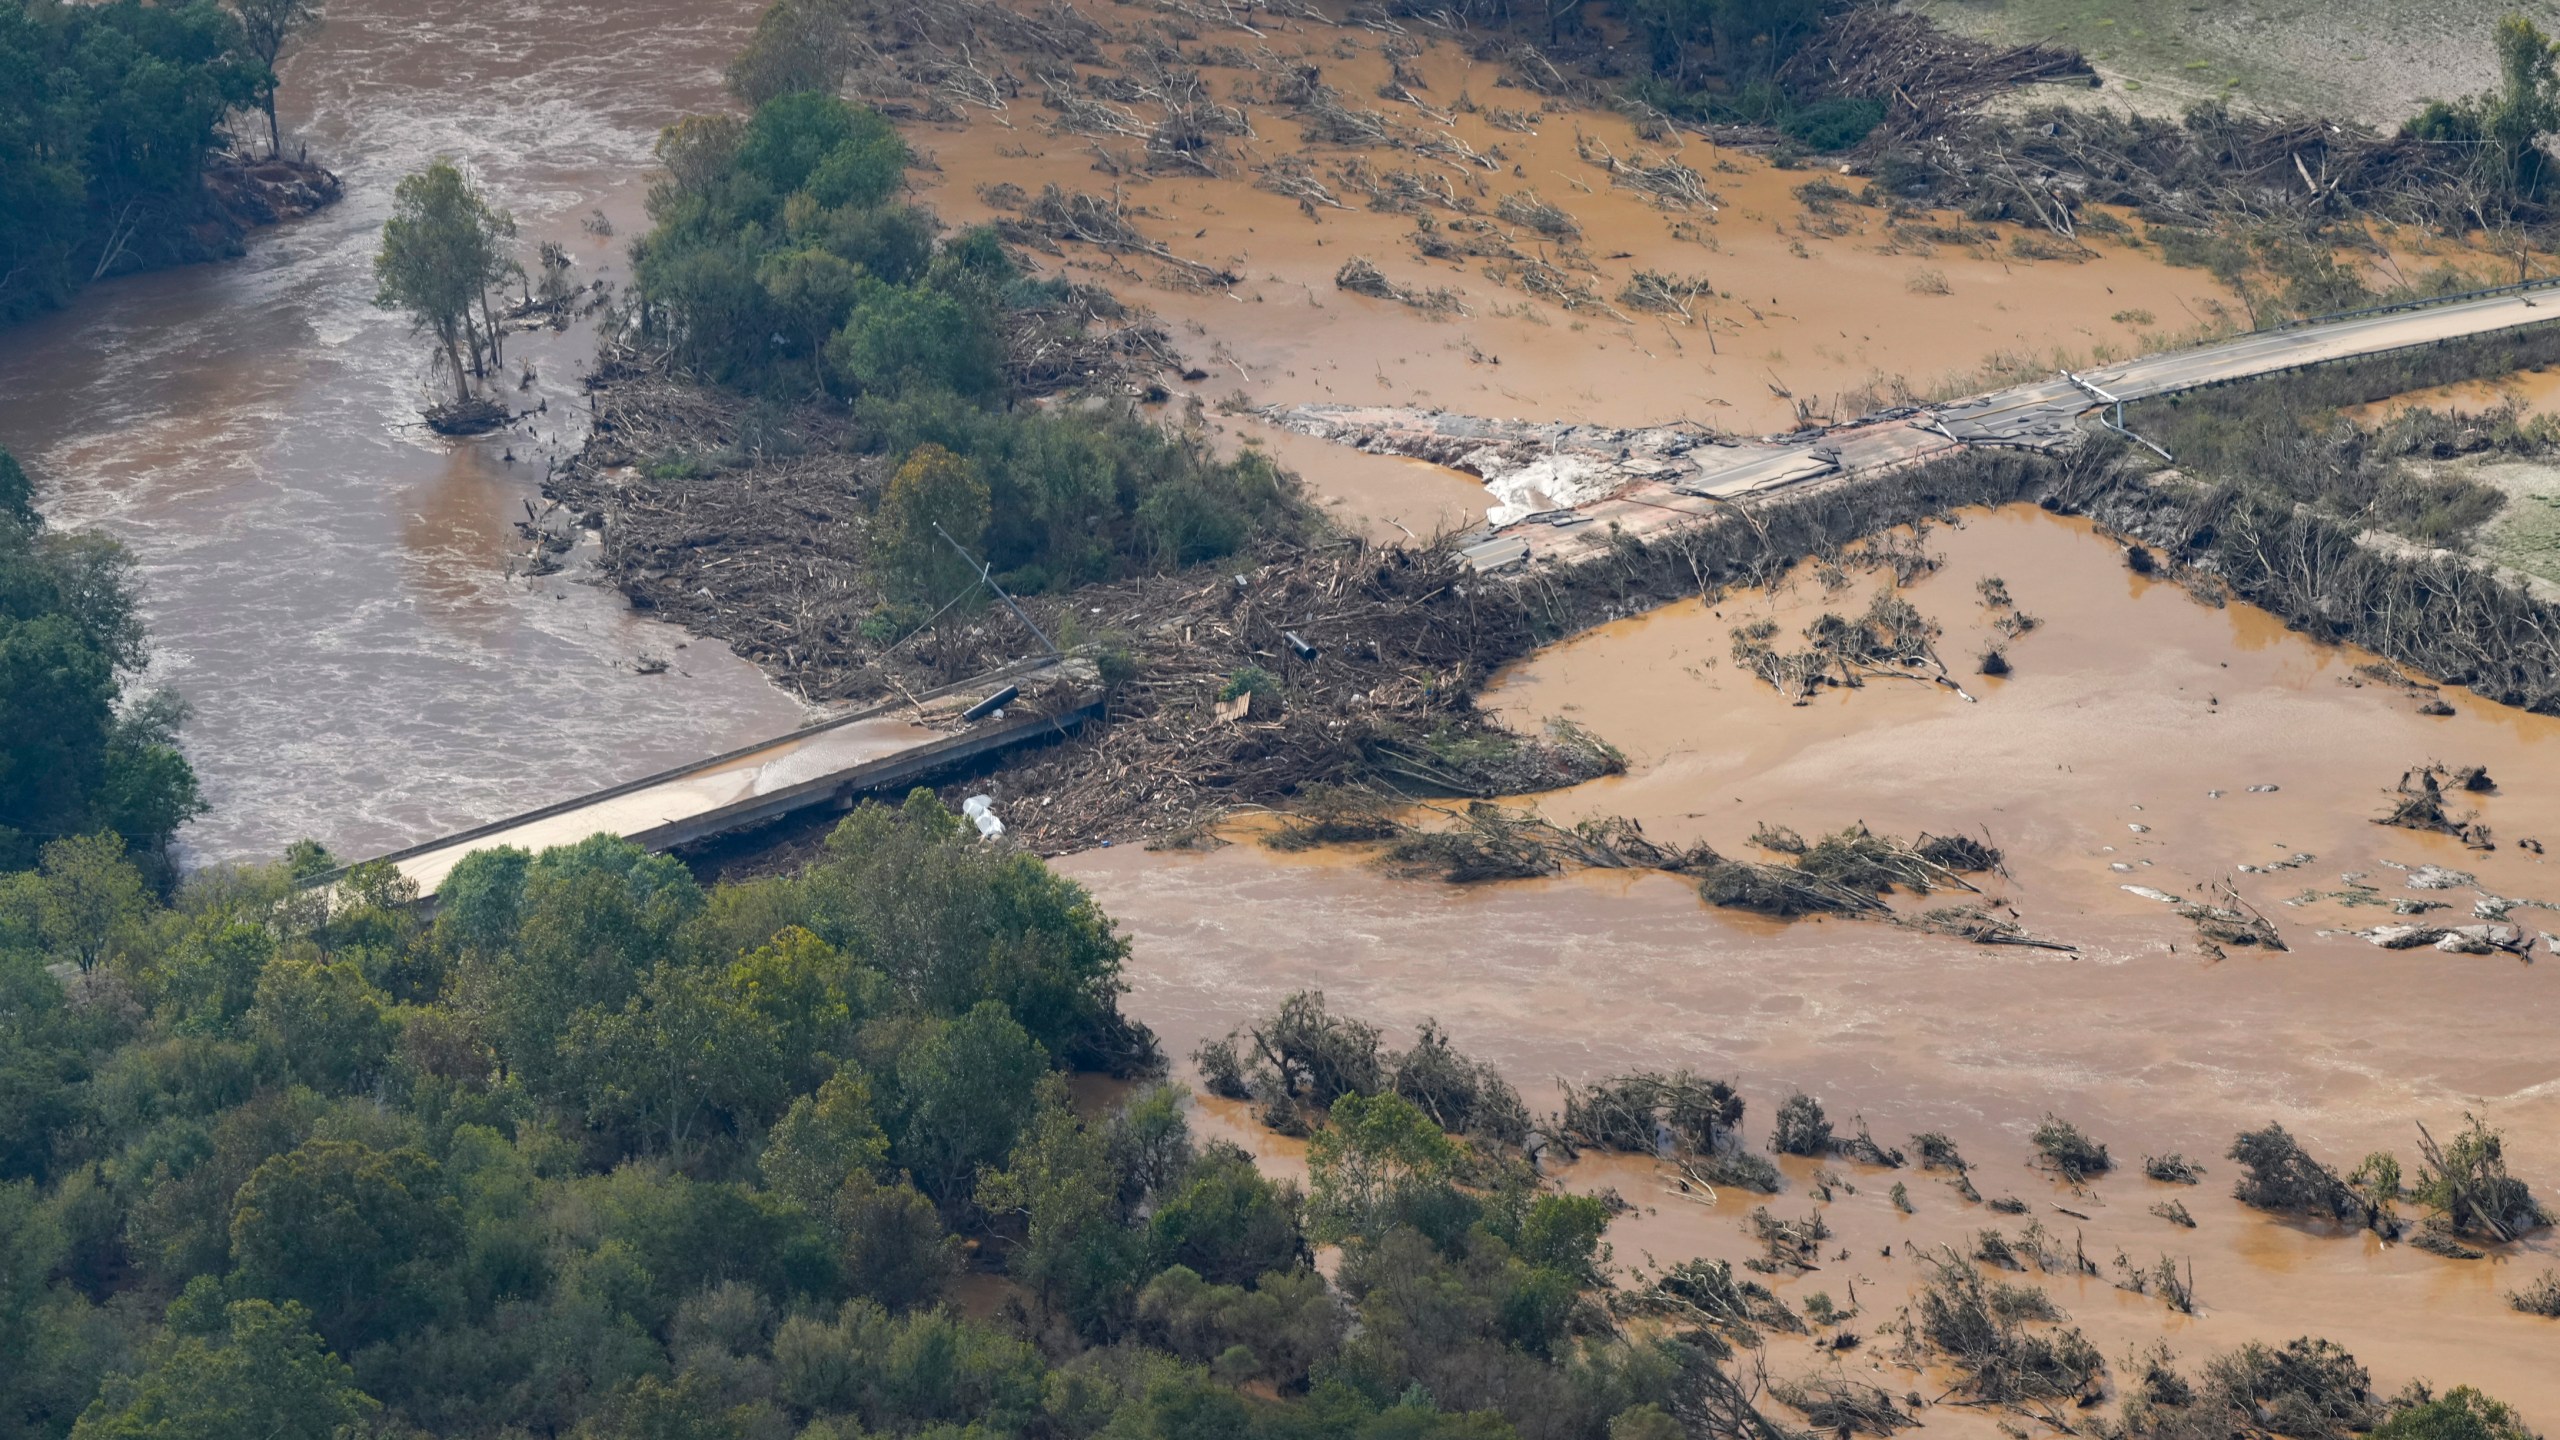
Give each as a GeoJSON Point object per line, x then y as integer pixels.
{"type": "Point", "coordinates": [1057, 215]}
{"type": "Point", "coordinates": [1928, 75]}
{"type": "Point", "coordinates": [2418, 803]}
{"type": "Point", "coordinates": [1360, 277]}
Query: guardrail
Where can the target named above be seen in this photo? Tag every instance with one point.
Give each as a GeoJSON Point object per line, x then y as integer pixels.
{"type": "Point", "coordinates": [2520, 287]}
{"type": "Point", "coordinates": [477, 832]}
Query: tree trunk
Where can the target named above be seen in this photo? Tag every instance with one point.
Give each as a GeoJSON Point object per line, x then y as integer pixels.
{"type": "Point", "coordinates": [461, 377]}
{"type": "Point", "coordinates": [489, 322]}
{"type": "Point", "coordinates": [275, 138]}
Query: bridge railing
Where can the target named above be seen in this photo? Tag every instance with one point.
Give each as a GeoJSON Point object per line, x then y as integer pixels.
{"type": "Point", "coordinates": [2428, 302]}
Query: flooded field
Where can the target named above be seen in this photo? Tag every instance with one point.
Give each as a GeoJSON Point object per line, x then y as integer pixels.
{"type": "Point", "coordinates": [2532, 392]}
{"type": "Point", "coordinates": [1812, 302]}
{"type": "Point", "coordinates": [2128, 736]}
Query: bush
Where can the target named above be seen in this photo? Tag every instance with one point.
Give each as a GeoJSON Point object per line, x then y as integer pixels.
{"type": "Point", "coordinates": [2463, 1414]}
{"type": "Point", "coordinates": [1802, 1128]}
{"type": "Point", "coordinates": [2541, 1297]}
{"type": "Point", "coordinates": [1834, 124]}
{"type": "Point", "coordinates": [2069, 1153]}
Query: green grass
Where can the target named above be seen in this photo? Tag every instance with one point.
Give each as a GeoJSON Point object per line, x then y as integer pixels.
{"type": "Point", "coordinates": [2151, 42]}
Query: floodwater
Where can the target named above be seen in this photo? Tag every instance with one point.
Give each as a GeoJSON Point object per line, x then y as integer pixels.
{"type": "Point", "coordinates": [1827, 309]}
{"type": "Point", "coordinates": [2534, 393]}
{"type": "Point", "coordinates": [2131, 704]}
{"type": "Point", "coordinates": [327, 584]}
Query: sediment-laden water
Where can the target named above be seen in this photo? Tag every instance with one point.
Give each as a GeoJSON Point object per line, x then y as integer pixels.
{"type": "Point", "coordinates": [327, 584]}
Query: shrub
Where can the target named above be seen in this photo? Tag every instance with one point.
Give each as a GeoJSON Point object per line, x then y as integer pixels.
{"type": "Point", "coordinates": [2068, 1152]}
{"type": "Point", "coordinates": [1802, 1128]}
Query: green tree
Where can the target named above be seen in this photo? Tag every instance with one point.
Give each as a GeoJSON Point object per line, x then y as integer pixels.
{"type": "Point", "coordinates": [892, 1247]}
{"type": "Point", "coordinates": [324, 1023]}
{"type": "Point", "coordinates": [843, 155]}
{"type": "Point", "coordinates": [77, 753]}
{"type": "Point", "coordinates": [1279, 1330]}
{"type": "Point", "coordinates": [1562, 1233]}
{"type": "Point", "coordinates": [798, 45]}
{"type": "Point", "coordinates": [262, 1375]}
{"type": "Point", "coordinates": [809, 996]}
{"type": "Point", "coordinates": [267, 29]}
{"type": "Point", "coordinates": [1077, 1253]}
{"type": "Point", "coordinates": [934, 488]}
{"type": "Point", "coordinates": [823, 1140]}
{"type": "Point", "coordinates": [47, 1051]}
{"type": "Point", "coordinates": [2504, 128]}
{"type": "Point", "coordinates": [676, 1055]}
{"type": "Point", "coordinates": [31, 1243]}
{"type": "Point", "coordinates": [1375, 1152]}
{"type": "Point", "coordinates": [1228, 1222]}
{"type": "Point", "coordinates": [967, 1088]}
{"type": "Point", "coordinates": [811, 291]}
{"type": "Point", "coordinates": [442, 249]}
{"type": "Point", "coordinates": [903, 337]}
{"type": "Point", "coordinates": [2463, 1414]}
{"type": "Point", "coordinates": [482, 901]}
{"type": "Point", "coordinates": [89, 899]}
{"type": "Point", "coordinates": [358, 1236]}
{"type": "Point", "coordinates": [911, 893]}
{"type": "Point", "coordinates": [574, 928]}
{"type": "Point", "coordinates": [108, 113]}
{"type": "Point", "coordinates": [694, 1406]}
{"type": "Point", "coordinates": [17, 494]}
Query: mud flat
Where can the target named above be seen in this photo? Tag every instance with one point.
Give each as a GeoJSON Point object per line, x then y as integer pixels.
{"type": "Point", "coordinates": [2130, 704]}
{"type": "Point", "coordinates": [1816, 301]}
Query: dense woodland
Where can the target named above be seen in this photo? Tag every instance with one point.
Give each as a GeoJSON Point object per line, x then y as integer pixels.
{"type": "Point", "coordinates": [108, 115]}
{"type": "Point", "coordinates": [600, 1151]}
{"type": "Point", "coordinates": [80, 754]}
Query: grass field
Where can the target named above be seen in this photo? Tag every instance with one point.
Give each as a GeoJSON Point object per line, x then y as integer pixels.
{"type": "Point", "coordinates": [2371, 60]}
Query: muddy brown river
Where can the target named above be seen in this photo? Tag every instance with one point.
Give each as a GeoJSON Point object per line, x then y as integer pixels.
{"type": "Point", "coordinates": [2129, 735]}
{"type": "Point", "coordinates": [326, 584]}
{"type": "Point", "coordinates": [337, 596]}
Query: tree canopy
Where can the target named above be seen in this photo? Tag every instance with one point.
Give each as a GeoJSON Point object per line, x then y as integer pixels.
{"type": "Point", "coordinates": [601, 1151]}
{"type": "Point", "coordinates": [785, 262]}
{"type": "Point", "coordinates": [79, 754]}
{"type": "Point", "coordinates": [443, 249]}
{"type": "Point", "coordinates": [108, 113]}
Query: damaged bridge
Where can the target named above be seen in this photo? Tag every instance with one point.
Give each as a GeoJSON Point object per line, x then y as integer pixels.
{"type": "Point", "coordinates": [1550, 481]}
{"type": "Point", "coordinates": [830, 764]}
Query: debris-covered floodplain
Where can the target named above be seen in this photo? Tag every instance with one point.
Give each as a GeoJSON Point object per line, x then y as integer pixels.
{"type": "Point", "coordinates": [2044, 801]}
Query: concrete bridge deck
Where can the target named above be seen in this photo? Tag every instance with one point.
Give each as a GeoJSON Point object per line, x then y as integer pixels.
{"type": "Point", "coordinates": [1646, 479]}
{"type": "Point", "coordinates": [873, 749]}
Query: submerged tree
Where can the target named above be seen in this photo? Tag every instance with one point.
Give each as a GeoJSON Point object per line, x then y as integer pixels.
{"type": "Point", "coordinates": [442, 249]}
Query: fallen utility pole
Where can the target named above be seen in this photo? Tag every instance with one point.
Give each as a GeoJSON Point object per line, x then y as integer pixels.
{"type": "Point", "coordinates": [986, 572]}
